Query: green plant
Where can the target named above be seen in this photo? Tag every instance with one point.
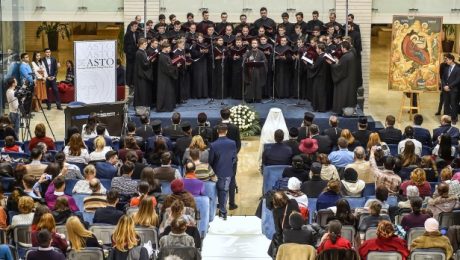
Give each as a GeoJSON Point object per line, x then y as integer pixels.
{"type": "Point", "coordinates": [61, 29]}
{"type": "Point", "coordinates": [449, 32]}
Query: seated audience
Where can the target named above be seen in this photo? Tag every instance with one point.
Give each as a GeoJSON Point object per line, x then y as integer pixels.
{"type": "Point", "coordinates": [89, 129]}
{"type": "Point", "coordinates": [184, 142]}
{"type": "Point", "coordinates": [432, 238]}
{"type": "Point", "coordinates": [374, 140]}
{"type": "Point", "coordinates": [7, 128]}
{"type": "Point", "coordinates": [31, 188]}
{"type": "Point", "coordinates": [292, 141]}
{"type": "Point", "coordinates": [324, 142]}
{"type": "Point", "coordinates": [351, 185]}
{"type": "Point", "coordinates": [409, 136]}
{"type": "Point", "coordinates": [343, 214]}
{"type": "Point", "coordinates": [308, 148]}
{"type": "Point", "coordinates": [381, 196]}
{"type": "Point", "coordinates": [429, 166]}
{"type": "Point", "coordinates": [296, 170]}
{"type": "Point", "coordinates": [373, 219]}
{"type": "Point", "coordinates": [203, 171]}
{"type": "Point", "coordinates": [55, 190]}
{"type": "Point", "coordinates": [78, 236]}
{"type": "Point", "coordinates": [343, 156]}
{"type": "Point", "coordinates": [390, 134]}
{"type": "Point", "coordinates": [131, 132]}
{"type": "Point", "coordinates": [174, 131]}
{"type": "Point", "coordinates": [454, 185]}
{"type": "Point", "coordinates": [62, 212]}
{"type": "Point", "coordinates": [191, 183]}
{"type": "Point", "coordinates": [110, 214]}
{"type": "Point", "coordinates": [408, 156]}
{"type": "Point", "coordinates": [125, 238]}
{"type": "Point", "coordinates": [199, 144]}
{"type": "Point", "coordinates": [423, 135]}
{"type": "Point", "coordinates": [11, 146]}
{"type": "Point", "coordinates": [416, 218]}
{"type": "Point", "coordinates": [386, 241]}
{"type": "Point", "coordinates": [143, 190]}
{"type": "Point", "coordinates": [177, 210]}
{"type": "Point", "coordinates": [148, 175]}
{"type": "Point", "coordinates": [40, 136]}
{"type": "Point", "coordinates": [334, 131]}
{"type": "Point", "coordinates": [138, 164]}
{"type": "Point", "coordinates": [444, 149]}
{"type": "Point", "coordinates": [82, 186]}
{"type": "Point", "coordinates": [97, 199]}
{"type": "Point", "coordinates": [73, 171]}
{"type": "Point", "coordinates": [179, 193]}
{"type": "Point", "coordinates": [363, 133]}
{"type": "Point", "coordinates": [351, 140]}
{"type": "Point", "coordinates": [40, 210]}
{"type": "Point", "coordinates": [76, 151]}
{"type": "Point", "coordinates": [100, 131]}
{"type": "Point", "coordinates": [177, 237]}
{"type": "Point", "coordinates": [328, 171]}
{"type": "Point", "coordinates": [386, 177]}
{"type": "Point", "coordinates": [45, 248]}
{"type": "Point", "coordinates": [333, 239]}
{"type": "Point", "coordinates": [145, 130]}
{"type": "Point", "coordinates": [278, 153]}
{"type": "Point", "coordinates": [26, 212]}
{"type": "Point", "coordinates": [36, 168]}
{"type": "Point", "coordinates": [304, 130]}
{"type": "Point", "coordinates": [100, 149]}
{"type": "Point", "coordinates": [296, 234]}
{"type": "Point", "coordinates": [330, 196]}
{"type": "Point", "coordinates": [47, 223]}
{"type": "Point", "coordinates": [417, 178]}
{"type": "Point", "coordinates": [203, 128]}
{"type": "Point", "coordinates": [313, 187]}
{"type": "Point", "coordinates": [361, 166]}
{"type": "Point", "coordinates": [166, 172]}
{"type": "Point", "coordinates": [124, 184]}
{"type": "Point", "coordinates": [443, 202]}
{"type": "Point", "coordinates": [108, 169]}
{"type": "Point", "coordinates": [130, 144]}
{"type": "Point", "coordinates": [411, 192]}
{"type": "Point", "coordinates": [159, 147]}
{"type": "Point", "coordinates": [446, 127]}
{"type": "Point", "coordinates": [294, 192]}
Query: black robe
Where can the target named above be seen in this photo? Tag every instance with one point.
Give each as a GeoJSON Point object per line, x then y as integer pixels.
{"type": "Point", "coordinates": [300, 82]}
{"type": "Point", "coordinates": [150, 53]}
{"type": "Point", "coordinates": [254, 77]}
{"type": "Point", "coordinates": [199, 71]}
{"type": "Point", "coordinates": [167, 76]}
{"type": "Point", "coordinates": [183, 81]}
{"type": "Point", "coordinates": [130, 48]}
{"type": "Point", "coordinates": [218, 74]}
{"type": "Point", "coordinates": [344, 78]}
{"type": "Point", "coordinates": [143, 78]}
{"type": "Point", "coordinates": [236, 71]}
{"type": "Point", "coordinates": [320, 74]}
{"type": "Point", "coordinates": [268, 51]}
{"type": "Point", "coordinates": [283, 72]}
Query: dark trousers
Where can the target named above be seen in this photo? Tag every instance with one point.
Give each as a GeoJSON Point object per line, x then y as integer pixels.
{"type": "Point", "coordinates": [130, 72]}
{"type": "Point", "coordinates": [223, 185]}
{"type": "Point", "coordinates": [451, 104]}
{"type": "Point", "coordinates": [53, 85]}
{"type": "Point", "coordinates": [232, 188]}
{"type": "Point", "coordinates": [441, 101]}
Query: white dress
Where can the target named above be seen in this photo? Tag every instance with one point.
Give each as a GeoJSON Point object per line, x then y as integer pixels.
{"type": "Point", "coordinates": [275, 120]}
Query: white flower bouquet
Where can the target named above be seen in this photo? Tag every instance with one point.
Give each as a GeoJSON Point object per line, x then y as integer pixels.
{"type": "Point", "coordinates": [247, 120]}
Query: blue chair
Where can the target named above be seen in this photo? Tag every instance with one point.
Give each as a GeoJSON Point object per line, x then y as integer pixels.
{"type": "Point", "coordinates": [405, 172]}
{"type": "Point", "coordinates": [89, 145]}
{"type": "Point", "coordinates": [356, 202]}
{"type": "Point", "coordinates": [88, 217]}
{"type": "Point", "coordinates": [433, 185]}
{"type": "Point", "coordinates": [81, 166]}
{"type": "Point", "coordinates": [271, 174]}
{"type": "Point", "coordinates": [79, 200]}
{"type": "Point", "coordinates": [392, 200]}
{"type": "Point", "coordinates": [116, 145]}
{"type": "Point", "coordinates": [202, 204]}
{"type": "Point", "coordinates": [369, 190]}
{"type": "Point", "coordinates": [107, 183]}
{"type": "Point", "coordinates": [426, 150]}
{"type": "Point", "coordinates": [210, 189]}
{"type": "Point", "coordinates": [165, 187]}
{"type": "Point", "coordinates": [59, 145]}
{"type": "Point", "coordinates": [69, 185]}
{"type": "Point", "coordinates": [268, 224]}
{"type": "Point", "coordinates": [8, 183]}
{"type": "Point", "coordinates": [25, 146]}
{"type": "Point", "coordinates": [311, 208]}
{"type": "Point", "coordinates": [393, 149]}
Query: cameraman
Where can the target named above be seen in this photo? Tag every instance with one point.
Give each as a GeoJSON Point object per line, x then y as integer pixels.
{"type": "Point", "coordinates": [27, 80]}
{"type": "Point", "coordinates": [13, 103]}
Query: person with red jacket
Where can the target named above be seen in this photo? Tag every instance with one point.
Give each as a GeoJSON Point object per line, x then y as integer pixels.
{"type": "Point", "coordinates": [333, 239]}
{"type": "Point", "coordinates": [386, 241]}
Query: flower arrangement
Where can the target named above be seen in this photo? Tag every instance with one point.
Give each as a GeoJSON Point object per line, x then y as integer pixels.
{"type": "Point", "coordinates": [247, 120]}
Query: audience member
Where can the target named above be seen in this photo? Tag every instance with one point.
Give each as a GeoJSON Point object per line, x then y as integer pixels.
{"type": "Point", "coordinates": [143, 189]}
{"type": "Point", "coordinates": [351, 140]}
{"type": "Point", "coordinates": [125, 238]}
{"type": "Point", "coordinates": [411, 192]}
{"type": "Point", "coordinates": [40, 136]}
{"type": "Point", "coordinates": [334, 131]}
{"type": "Point", "coordinates": [373, 219]}
{"type": "Point", "coordinates": [409, 136]}
{"type": "Point", "coordinates": [390, 134]}
{"type": "Point", "coordinates": [313, 187]}
{"type": "Point", "coordinates": [55, 190]}
{"type": "Point", "coordinates": [107, 169]}
{"type": "Point", "coordinates": [432, 238]}
{"type": "Point", "coordinates": [429, 166]}
{"type": "Point", "coordinates": [309, 148]}
{"type": "Point", "coordinates": [333, 239]}
{"type": "Point", "coordinates": [40, 210]}
{"type": "Point", "coordinates": [166, 172]}
{"type": "Point", "coordinates": [62, 211]}
{"type": "Point", "coordinates": [304, 130]}
{"type": "Point", "coordinates": [423, 135]}
{"type": "Point", "coordinates": [386, 177]}
{"type": "Point", "coordinates": [146, 216]}
{"type": "Point", "coordinates": [444, 149]}
{"type": "Point", "coordinates": [79, 237]}
{"type": "Point", "coordinates": [184, 142]}
{"type": "Point", "coordinates": [45, 248]}
{"type": "Point", "coordinates": [97, 199]}
{"type": "Point", "coordinates": [343, 156]}
{"type": "Point", "coordinates": [191, 183]}
{"type": "Point", "coordinates": [292, 141]}
{"type": "Point", "coordinates": [443, 202]}
{"type": "Point", "coordinates": [36, 168]}
{"type": "Point", "coordinates": [416, 218]}
{"type": "Point", "coordinates": [374, 140]}
{"type": "Point", "coordinates": [179, 193]}
{"type": "Point", "coordinates": [361, 166]}
{"type": "Point", "coordinates": [47, 223]}
{"type": "Point", "coordinates": [178, 237]}
{"type": "Point", "coordinates": [100, 150]}
{"type": "Point", "coordinates": [343, 213]}
{"type": "Point", "coordinates": [101, 131]}
{"type": "Point", "coordinates": [26, 214]}
{"type": "Point", "coordinates": [296, 234]}
{"type": "Point", "coordinates": [203, 128]}
{"type": "Point", "coordinates": [203, 171]}
{"type": "Point", "coordinates": [131, 132]}
{"type": "Point", "coordinates": [324, 142]}
{"type": "Point", "coordinates": [145, 130]}
{"type": "Point", "coordinates": [330, 196]}
{"type": "Point", "coordinates": [174, 131]}
{"type": "Point", "coordinates": [11, 146]}
{"type": "Point", "coordinates": [278, 153]}
{"type": "Point", "coordinates": [130, 144]}
{"type": "Point", "coordinates": [199, 144]}
{"type": "Point", "coordinates": [89, 129]}
{"type": "Point", "coordinates": [138, 164]}
{"type": "Point", "coordinates": [328, 171]}
{"type": "Point", "coordinates": [408, 157]}
{"type": "Point", "coordinates": [124, 184]}
{"type": "Point", "coordinates": [83, 186]}
{"type": "Point", "coordinates": [297, 169]}
{"type": "Point", "coordinates": [351, 185]}
{"type": "Point", "coordinates": [177, 209]}
{"type": "Point", "coordinates": [73, 171]}
{"type": "Point", "coordinates": [110, 214]}
{"type": "Point", "coordinates": [362, 134]}
{"type": "Point", "coordinates": [381, 196]}
{"type": "Point", "coordinates": [446, 127]}
{"type": "Point", "coordinates": [418, 179]}
{"type": "Point", "coordinates": [76, 151]}
{"type": "Point", "coordinates": [454, 185]}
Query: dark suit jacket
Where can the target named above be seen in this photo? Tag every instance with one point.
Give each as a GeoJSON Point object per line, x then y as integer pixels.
{"type": "Point", "coordinates": [452, 80]}
{"type": "Point", "coordinates": [294, 144]}
{"type": "Point", "coordinates": [173, 132]}
{"type": "Point", "coordinates": [130, 45]}
{"type": "Point", "coordinates": [277, 154]}
{"type": "Point", "coordinates": [181, 145]}
{"type": "Point", "coordinates": [423, 135]}
{"type": "Point", "coordinates": [233, 133]}
{"type": "Point", "coordinates": [50, 70]}
{"type": "Point", "coordinates": [90, 143]}
{"type": "Point", "coordinates": [390, 135]}
{"type": "Point", "coordinates": [105, 170]}
{"type": "Point", "coordinates": [362, 136]}
{"type": "Point", "coordinates": [449, 129]}
{"type": "Point", "coordinates": [313, 188]}
{"type": "Point", "coordinates": [304, 132]}
{"type": "Point", "coordinates": [108, 215]}
{"type": "Point", "coordinates": [222, 156]}
{"type": "Point", "coordinates": [324, 143]}
{"type": "Point", "coordinates": [145, 131]}
{"type": "Point", "coordinates": [333, 133]}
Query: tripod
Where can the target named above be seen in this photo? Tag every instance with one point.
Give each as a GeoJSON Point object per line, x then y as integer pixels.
{"type": "Point", "coordinates": [222, 79]}
{"type": "Point", "coordinates": [25, 121]}
{"type": "Point", "coordinates": [124, 128]}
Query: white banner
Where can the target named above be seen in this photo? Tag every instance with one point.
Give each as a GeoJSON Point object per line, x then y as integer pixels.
{"type": "Point", "coordinates": [95, 71]}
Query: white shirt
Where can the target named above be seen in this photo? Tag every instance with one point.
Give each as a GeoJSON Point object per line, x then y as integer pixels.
{"type": "Point", "coordinates": [13, 103]}
{"type": "Point", "coordinates": [418, 146]}
{"type": "Point", "coordinates": [83, 158]}
{"type": "Point", "coordinates": [99, 156]}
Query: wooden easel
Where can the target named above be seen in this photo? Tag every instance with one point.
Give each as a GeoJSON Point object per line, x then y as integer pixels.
{"type": "Point", "coordinates": [409, 107]}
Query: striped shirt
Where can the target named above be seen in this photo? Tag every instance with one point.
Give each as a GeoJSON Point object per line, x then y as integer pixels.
{"type": "Point", "coordinates": [94, 201]}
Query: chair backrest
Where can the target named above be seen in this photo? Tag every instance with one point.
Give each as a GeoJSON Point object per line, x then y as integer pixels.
{"type": "Point", "coordinates": [69, 185]}
{"type": "Point", "coordinates": [61, 229]}
{"type": "Point", "coordinates": [22, 236]}
{"type": "Point", "coordinates": [376, 255]}
{"type": "Point", "coordinates": [414, 233]}
{"type": "Point", "coordinates": [349, 233]}
{"type": "Point", "coordinates": [131, 210]}
{"type": "Point", "coordinates": [271, 174]}
{"type": "Point", "coordinates": [202, 205]}
{"type": "Point", "coordinates": [426, 150]}
{"type": "Point", "coordinates": [356, 202]}
{"type": "Point", "coordinates": [59, 145]}
{"type": "Point", "coordinates": [369, 190]}
{"type": "Point", "coordinates": [17, 155]}
{"type": "Point", "coordinates": [429, 253]}
{"type": "Point", "coordinates": [148, 234]}
{"type": "Point", "coordinates": [88, 217]}
{"type": "Point", "coordinates": [446, 219]}
{"type": "Point", "coordinates": [370, 233]}
{"type": "Point", "coordinates": [322, 216]}
{"type": "Point", "coordinates": [89, 253]}
{"type": "Point", "coordinates": [107, 183]}
{"type": "Point", "coordinates": [103, 233]}
{"type": "Point", "coordinates": [166, 187]}
{"type": "Point", "coordinates": [8, 183]}
{"type": "Point", "coordinates": [393, 149]}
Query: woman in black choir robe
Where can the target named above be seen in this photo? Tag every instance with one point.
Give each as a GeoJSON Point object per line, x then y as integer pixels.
{"type": "Point", "coordinates": [183, 81]}
{"type": "Point", "coordinates": [267, 49]}
{"type": "Point", "coordinates": [236, 57]}
{"type": "Point", "coordinates": [217, 92]}
{"type": "Point", "coordinates": [283, 65]}
{"type": "Point", "coordinates": [345, 81]}
{"type": "Point", "coordinates": [200, 52]}
{"type": "Point", "coordinates": [255, 76]}
{"type": "Point", "coordinates": [143, 77]}
{"type": "Point", "coordinates": [167, 77]}
{"type": "Point", "coordinates": [320, 74]}
{"type": "Point", "coordinates": [152, 54]}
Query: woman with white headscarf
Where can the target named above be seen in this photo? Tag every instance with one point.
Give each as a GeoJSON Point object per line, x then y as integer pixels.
{"type": "Point", "coordinates": [275, 120]}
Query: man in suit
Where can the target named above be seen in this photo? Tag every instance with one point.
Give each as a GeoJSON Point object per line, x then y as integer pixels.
{"type": "Point", "coordinates": [334, 131]}
{"type": "Point", "coordinates": [108, 169]}
{"type": "Point", "coordinates": [390, 134]}
{"type": "Point", "coordinates": [423, 135]}
{"type": "Point", "coordinates": [110, 214]}
{"type": "Point", "coordinates": [145, 131]}
{"type": "Point", "coordinates": [158, 131]}
{"type": "Point", "coordinates": [174, 131]}
{"type": "Point", "coordinates": [362, 134]}
{"type": "Point", "coordinates": [222, 158]}
{"type": "Point", "coordinates": [304, 130]}
{"type": "Point", "coordinates": [446, 127]}
{"type": "Point", "coordinates": [183, 142]}
{"type": "Point", "coordinates": [52, 67]}
{"type": "Point", "coordinates": [324, 142]}
{"type": "Point", "coordinates": [450, 87]}
{"type": "Point", "coordinates": [292, 142]}
{"type": "Point", "coordinates": [278, 153]}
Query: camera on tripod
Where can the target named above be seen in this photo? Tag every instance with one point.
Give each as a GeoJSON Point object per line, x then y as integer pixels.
{"type": "Point", "coordinates": [22, 93]}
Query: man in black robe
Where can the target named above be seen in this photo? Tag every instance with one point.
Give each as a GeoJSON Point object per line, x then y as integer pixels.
{"type": "Point", "coordinates": [229, 41]}
{"type": "Point", "coordinates": [202, 27]}
{"type": "Point", "coordinates": [218, 76]}
{"type": "Point", "coordinates": [356, 43]}
{"type": "Point", "coordinates": [130, 49]}
{"type": "Point", "coordinates": [186, 26]}
{"type": "Point", "coordinates": [266, 22]}
{"type": "Point", "coordinates": [221, 27]}
{"type": "Point", "coordinates": [143, 77]}
{"type": "Point", "coordinates": [255, 66]}
{"type": "Point", "coordinates": [299, 21]}
{"type": "Point", "coordinates": [236, 59]}
{"type": "Point", "coordinates": [320, 74]}
{"type": "Point", "coordinates": [287, 25]}
{"type": "Point", "coordinates": [283, 66]}
{"type": "Point", "coordinates": [200, 53]}
{"type": "Point", "coordinates": [167, 76]}
{"type": "Point", "coordinates": [243, 22]}
{"type": "Point", "coordinates": [183, 82]}
{"type": "Point", "coordinates": [161, 21]}
{"type": "Point", "coordinates": [152, 54]}
{"type": "Point", "coordinates": [343, 73]}
{"type": "Point", "coordinates": [267, 49]}
{"type": "Point", "coordinates": [314, 22]}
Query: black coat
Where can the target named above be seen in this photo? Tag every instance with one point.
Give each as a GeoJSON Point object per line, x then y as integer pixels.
{"type": "Point", "coordinates": [181, 145]}
{"type": "Point", "coordinates": [422, 135]}
{"type": "Point", "coordinates": [333, 133]}
{"type": "Point", "coordinates": [345, 81]}
{"type": "Point", "coordinates": [313, 187]}
{"type": "Point", "coordinates": [130, 45]}
{"type": "Point", "coordinates": [322, 86]}
{"type": "Point", "coordinates": [324, 143]}
{"type": "Point", "coordinates": [173, 131]}
{"type": "Point", "coordinates": [279, 216]}
{"type": "Point", "coordinates": [298, 236]}
{"type": "Point", "coordinates": [145, 131]}
{"type": "Point", "coordinates": [390, 135]}
{"type": "Point", "coordinates": [294, 144]}
{"type": "Point", "coordinates": [301, 174]}
{"type": "Point", "coordinates": [143, 79]}
{"type": "Point", "coordinates": [108, 215]}
{"type": "Point", "coordinates": [277, 154]}
{"type": "Point", "coordinates": [362, 136]}
{"type": "Point", "coordinates": [167, 76]}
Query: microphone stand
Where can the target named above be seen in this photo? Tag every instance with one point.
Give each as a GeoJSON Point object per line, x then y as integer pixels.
{"type": "Point", "coordinates": [272, 99]}
{"type": "Point", "coordinates": [300, 104]}
{"type": "Point", "coordinates": [222, 78]}
{"type": "Point", "coordinates": [213, 66]}
{"type": "Point", "coordinates": [242, 82]}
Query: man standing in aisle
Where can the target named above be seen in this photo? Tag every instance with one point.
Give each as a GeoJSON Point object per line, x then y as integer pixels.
{"type": "Point", "coordinates": [222, 158]}
{"type": "Point", "coordinates": [52, 67]}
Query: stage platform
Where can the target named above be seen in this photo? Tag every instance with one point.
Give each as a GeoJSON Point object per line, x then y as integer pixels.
{"type": "Point", "coordinates": [293, 114]}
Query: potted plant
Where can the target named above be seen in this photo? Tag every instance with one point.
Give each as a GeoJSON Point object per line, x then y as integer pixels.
{"type": "Point", "coordinates": [53, 30]}
{"type": "Point", "coordinates": [448, 37]}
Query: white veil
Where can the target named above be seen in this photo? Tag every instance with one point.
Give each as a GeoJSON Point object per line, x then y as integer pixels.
{"type": "Point", "coordinates": [275, 120]}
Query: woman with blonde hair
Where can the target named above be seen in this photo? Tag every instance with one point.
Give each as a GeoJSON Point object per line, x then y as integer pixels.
{"type": "Point", "coordinates": [147, 215]}
{"type": "Point", "coordinates": [124, 238]}
{"type": "Point", "coordinates": [352, 141]}
{"type": "Point", "coordinates": [418, 179]}
{"type": "Point", "coordinates": [79, 237]}
{"type": "Point", "coordinates": [374, 140]}
{"type": "Point", "coordinates": [75, 151]}
{"type": "Point", "coordinates": [197, 143]}
{"type": "Point", "coordinates": [100, 149]}
{"type": "Point", "coordinates": [47, 222]}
